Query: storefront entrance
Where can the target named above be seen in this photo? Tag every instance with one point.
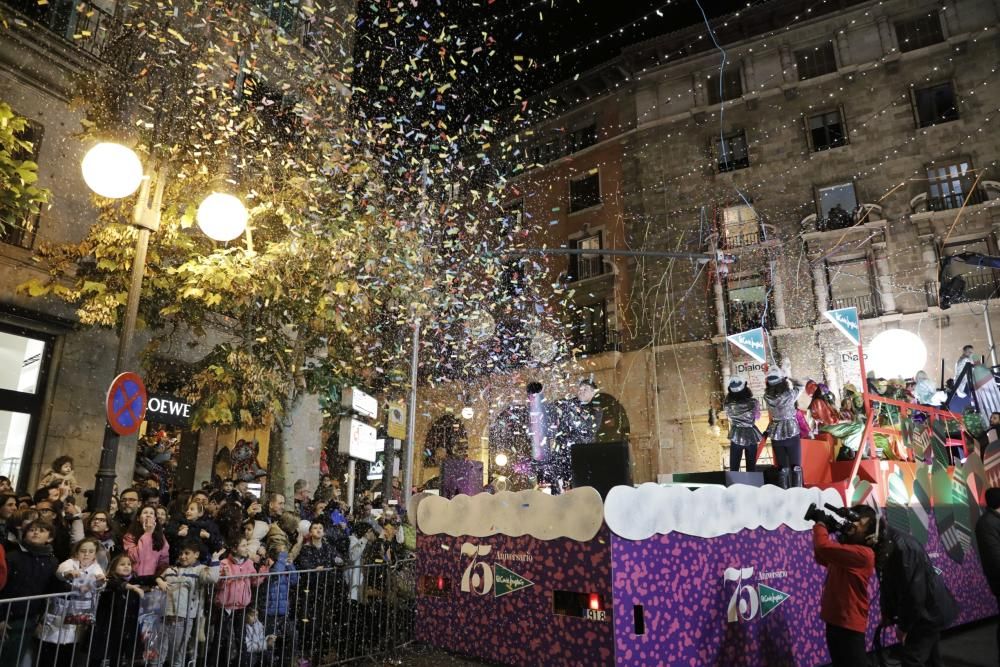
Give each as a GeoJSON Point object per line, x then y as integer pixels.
{"type": "Point", "coordinates": [24, 364]}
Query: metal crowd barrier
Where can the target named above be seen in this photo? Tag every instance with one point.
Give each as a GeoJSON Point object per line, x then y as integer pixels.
{"type": "Point", "coordinates": [311, 618]}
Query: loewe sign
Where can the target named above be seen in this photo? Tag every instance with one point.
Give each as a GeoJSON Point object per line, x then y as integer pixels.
{"type": "Point", "coordinates": [167, 409]}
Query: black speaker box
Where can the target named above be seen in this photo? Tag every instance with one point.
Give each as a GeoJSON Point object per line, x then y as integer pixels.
{"type": "Point", "coordinates": [602, 465]}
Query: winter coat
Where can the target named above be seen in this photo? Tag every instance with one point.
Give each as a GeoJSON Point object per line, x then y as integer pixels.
{"type": "Point", "coordinates": [282, 577]}
{"type": "Point", "coordinates": [988, 541]}
{"type": "Point", "coordinates": [312, 557]}
{"type": "Point", "coordinates": [743, 432]}
{"type": "Point", "coordinates": [29, 573]}
{"type": "Point", "coordinates": [911, 590]}
{"type": "Point", "coordinates": [116, 627]}
{"type": "Point", "coordinates": [340, 541]}
{"type": "Point", "coordinates": [50, 476]}
{"type": "Point", "coordinates": [206, 546]}
{"type": "Point", "coordinates": [146, 560]}
{"type": "Point", "coordinates": [186, 587]}
{"type": "Point", "coordinates": [354, 575]}
{"type": "Point", "coordinates": [781, 409]}
{"type": "Point", "coordinates": [110, 547]}
{"type": "Point", "coordinates": [235, 592]}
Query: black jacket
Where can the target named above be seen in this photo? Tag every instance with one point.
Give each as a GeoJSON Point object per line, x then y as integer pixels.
{"type": "Point", "coordinates": [116, 629]}
{"type": "Point", "coordinates": [988, 539]}
{"type": "Point", "coordinates": [912, 593]}
{"type": "Point", "coordinates": [29, 573]}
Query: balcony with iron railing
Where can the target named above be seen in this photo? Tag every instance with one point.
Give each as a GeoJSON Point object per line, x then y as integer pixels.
{"type": "Point", "coordinates": [744, 315]}
{"type": "Point", "coordinates": [981, 285]}
{"type": "Point", "coordinates": [747, 236]}
{"type": "Point", "coordinates": [867, 304]}
{"type": "Point", "coordinates": [81, 23]}
{"type": "Point", "coordinates": [597, 342]}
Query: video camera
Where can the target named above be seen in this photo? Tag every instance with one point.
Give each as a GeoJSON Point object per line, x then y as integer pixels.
{"type": "Point", "coordinates": [841, 518]}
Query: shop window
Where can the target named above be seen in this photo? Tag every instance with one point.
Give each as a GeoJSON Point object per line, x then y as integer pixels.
{"type": "Point", "coordinates": [851, 286]}
{"type": "Point", "coordinates": [585, 191]}
{"type": "Point", "coordinates": [731, 152]}
{"type": "Point", "coordinates": [835, 206]}
{"type": "Point", "coordinates": [949, 185]}
{"type": "Point", "coordinates": [826, 131]}
{"type": "Point", "coordinates": [816, 61]}
{"type": "Point", "coordinates": [730, 89]}
{"type": "Point", "coordinates": [740, 226]}
{"type": "Point", "coordinates": [935, 104]}
{"type": "Point", "coordinates": [24, 358]}
{"type": "Point", "coordinates": [747, 304]}
{"type": "Point", "coordinates": [918, 32]}
{"type": "Point", "coordinates": [587, 266]}
{"type": "Point", "coordinates": [21, 232]}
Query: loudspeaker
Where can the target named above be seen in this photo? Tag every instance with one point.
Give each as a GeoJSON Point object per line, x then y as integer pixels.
{"type": "Point", "coordinates": [602, 465]}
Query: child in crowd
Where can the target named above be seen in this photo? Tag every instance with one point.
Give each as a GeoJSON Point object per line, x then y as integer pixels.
{"type": "Point", "coordinates": [255, 641]}
{"type": "Point", "coordinates": [233, 595]}
{"type": "Point", "coordinates": [186, 583]}
{"type": "Point", "coordinates": [61, 472]}
{"type": "Point", "coordinates": [115, 639]}
{"type": "Point", "coordinates": [31, 568]}
{"type": "Point", "coordinates": [61, 623]}
{"type": "Point", "coordinates": [281, 579]}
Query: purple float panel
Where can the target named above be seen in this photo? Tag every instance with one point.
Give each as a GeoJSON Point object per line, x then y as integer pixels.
{"type": "Point", "coordinates": [495, 598]}
{"type": "Point", "coordinates": [749, 598]}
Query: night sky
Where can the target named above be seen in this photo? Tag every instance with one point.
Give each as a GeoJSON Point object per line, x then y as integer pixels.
{"type": "Point", "coordinates": [492, 56]}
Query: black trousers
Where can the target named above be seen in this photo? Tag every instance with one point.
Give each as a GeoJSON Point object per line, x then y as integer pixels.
{"type": "Point", "coordinates": [921, 648]}
{"type": "Point", "coordinates": [788, 452]}
{"type": "Point", "coordinates": [847, 647]}
{"type": "Point", "coordinates": [736, 455]}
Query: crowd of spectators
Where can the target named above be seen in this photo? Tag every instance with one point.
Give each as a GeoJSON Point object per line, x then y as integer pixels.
{"type": "Point", "coordinates": [239, 580]}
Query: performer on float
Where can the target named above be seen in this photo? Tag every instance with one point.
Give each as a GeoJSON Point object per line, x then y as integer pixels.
{"type": "Point", "coordinates": [744, 436]}
{"type": "Point", "coordinates": [783, 429]}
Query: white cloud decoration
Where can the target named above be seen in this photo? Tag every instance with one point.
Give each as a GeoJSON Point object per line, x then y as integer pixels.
{"type": "Point", "coordinates": [709, 511]}
{"type": "Point", "coordinates": [576, 514]}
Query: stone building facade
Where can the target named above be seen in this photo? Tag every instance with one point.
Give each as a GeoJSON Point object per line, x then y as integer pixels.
{"type": "Point", "coordinates": [835, 161]}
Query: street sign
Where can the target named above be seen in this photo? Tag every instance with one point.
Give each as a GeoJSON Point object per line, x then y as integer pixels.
{"type": "Point", "coordinates": [126, 404]}
{"type": "Point", "coordinates": [396, 426]}
{"type": "Point", "coordinates": [357, 439]}
{"type": "Point", "coordinates": [846, 321]}
{"type": "Point", "coordinates": [360, 402]}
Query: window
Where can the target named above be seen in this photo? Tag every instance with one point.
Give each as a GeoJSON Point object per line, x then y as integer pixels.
{"type": "Point", "coordinates": [283, 12]}
{"type": "Point", "coordinates": [732, 86]}
{"type": "Point", "coordinates": [731, 152]}
{"type": "Point", "coordinates": [980, 283]}
{"type": "Point", "coordinates": [546, 151]}
{"type": "Point", "coordinates": [919, 32]}
{"type": "Point", "coordinates": [585, 191]}
{"type": "Point", "coordinates": [581, 138]}
{"type": "Point", "coordinates": [590, 328]}
{"type": "Point", "coordinates": [835, 205]}
{"type": "Point", "coordinates": [826, 131]}
{"type": "Point", "coordinates": [740, 226]}
{"type": "Point", "coordinates": [935, 104]}
{"type": "Point", "coordinates": [747, 304]}
{"type": "Point", "coordinates": [22, 232]}
{"type": "Point", "coordinates": [949, 185]}
{"type": "Point", "coordinates": [850, 284]}
{"type": "Point", "coordinates": [586, 266]}
{"type": "Point", "coordinates": [24, 359]}
{"type": "Point", "coordinates": [817, 61]}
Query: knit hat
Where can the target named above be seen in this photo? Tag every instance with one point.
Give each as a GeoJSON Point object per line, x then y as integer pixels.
{"type": "Point", "coordinates": [993, 498]}
{"type": "Point", "coordinates": [736, 385]}
{"type": "Point", "coordinates": [774, 377]}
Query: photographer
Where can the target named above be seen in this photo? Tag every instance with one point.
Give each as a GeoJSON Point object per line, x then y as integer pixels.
{"type": "Point", "coordinates": [849, 565]}
{"type": "Point", "coordinates": [913, 597]}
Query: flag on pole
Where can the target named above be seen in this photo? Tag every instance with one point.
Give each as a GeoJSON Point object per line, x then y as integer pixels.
{"type": "Point", "coordinates": [751, 342]}
{"type": "Point", "coordinates": [846, 321]}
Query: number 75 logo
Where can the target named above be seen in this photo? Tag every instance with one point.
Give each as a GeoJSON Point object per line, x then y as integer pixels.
{"type": "Point", "coordinates": [745, 602]}
{"type": "Point", "coordinates": [478, 576]}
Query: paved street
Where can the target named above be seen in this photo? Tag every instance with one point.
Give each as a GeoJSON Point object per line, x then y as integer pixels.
{"type": "Point", "coordinates": [970, 646]}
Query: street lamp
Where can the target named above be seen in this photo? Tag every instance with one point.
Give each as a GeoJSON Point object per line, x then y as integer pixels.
{"type": "Point", "coordinates": [115, 171]}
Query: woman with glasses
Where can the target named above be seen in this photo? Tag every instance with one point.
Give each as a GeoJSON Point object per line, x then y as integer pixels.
{"type": "Point", "coordinates": [100, 527]}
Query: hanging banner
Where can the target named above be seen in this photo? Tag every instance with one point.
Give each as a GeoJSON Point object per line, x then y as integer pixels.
{"type": "Point", "coordinates": [753, 373]}
{"type": "Point", "coordinates": [751, 342]}
{"type": "Point", "coordinates": [846, 321]}
{"type": "Point", "coordinates": [850, 367]}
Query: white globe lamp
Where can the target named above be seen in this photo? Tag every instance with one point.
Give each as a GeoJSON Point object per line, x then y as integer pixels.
{"type": "Point", "coordinates": [222, 217]}
{"type": "Point", "coordinates": [501, 459]}
{"type": "Point", "coordinates": [112, 170]}
{"type": "Point", "coordinates": [896, 353]}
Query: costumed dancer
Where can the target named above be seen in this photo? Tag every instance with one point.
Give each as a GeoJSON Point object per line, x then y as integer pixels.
{"type": "Point", "coordinates": [783, 429]}
{"type": "Point", "coordinates": [821, 405]}
{"type": "Point", "coordinates": [744, 436]}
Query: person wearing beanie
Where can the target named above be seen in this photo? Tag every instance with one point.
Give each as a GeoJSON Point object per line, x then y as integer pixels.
{"type": "Point", "coordinates": [781, 395]}
{"type": "Point", "coordinates": [988, 541]}
{"type": "Point", "coordinates": [744, 436]}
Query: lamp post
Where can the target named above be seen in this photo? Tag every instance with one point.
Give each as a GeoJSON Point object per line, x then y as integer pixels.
{"type": "Point", "coordinates": [115, 171]}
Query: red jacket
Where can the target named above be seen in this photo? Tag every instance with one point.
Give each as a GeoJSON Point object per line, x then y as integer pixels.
{"type": "Point", "coordinates": [848, 569]}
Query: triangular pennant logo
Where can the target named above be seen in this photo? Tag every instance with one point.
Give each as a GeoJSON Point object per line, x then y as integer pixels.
{"type": "Point", "coordinates": [505, 581]}
{"type": "Point", "coordinates": [770, 598]}
{"type": "Point", "coordinates": [846, 321]}
{"type": "Point", "coordinates": [751, 342]}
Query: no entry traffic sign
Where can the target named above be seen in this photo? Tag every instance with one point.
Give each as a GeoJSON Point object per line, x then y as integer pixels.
{"type": "Point", "coordinates": [126, 404]}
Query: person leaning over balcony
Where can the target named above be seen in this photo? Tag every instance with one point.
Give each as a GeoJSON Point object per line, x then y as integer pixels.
{"type": "Point", "coordinates": [780, 396]}
{"type": "Point", "coordinates": [744, 436]}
